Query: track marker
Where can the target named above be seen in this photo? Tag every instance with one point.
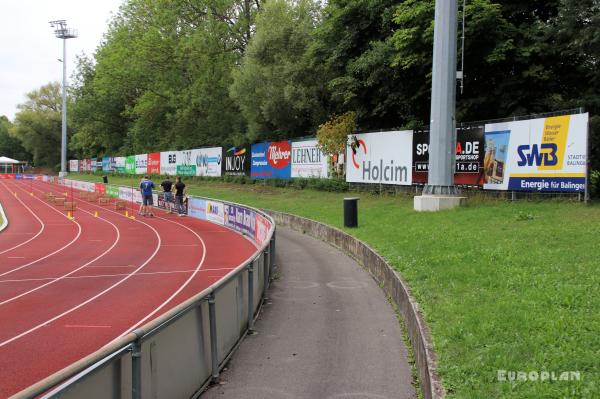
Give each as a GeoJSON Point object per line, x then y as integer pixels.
{"type": "Point", "coordinates": [126, 214]}
{"type": "Point", "coordinates": [96, 214]}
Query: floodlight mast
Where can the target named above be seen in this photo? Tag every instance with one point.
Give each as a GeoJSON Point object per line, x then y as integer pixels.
{"type": "Point", "coordinates": [62, 32]}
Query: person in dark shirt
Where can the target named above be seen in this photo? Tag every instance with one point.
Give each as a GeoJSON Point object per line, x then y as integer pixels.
{"type": "Point", "coordinates": [146, 187]}
{"type": "Point", "coordinates": [167, 186]}
{"type": "Point", "coordinates": [179, 194]}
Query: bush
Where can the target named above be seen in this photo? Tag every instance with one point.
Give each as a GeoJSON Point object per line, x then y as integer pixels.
{"type": "Point", "coordinates": [594, 184]}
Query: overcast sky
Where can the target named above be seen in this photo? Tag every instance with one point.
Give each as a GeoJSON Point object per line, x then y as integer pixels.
{"type": "Point", "coordinates": [29, 51]}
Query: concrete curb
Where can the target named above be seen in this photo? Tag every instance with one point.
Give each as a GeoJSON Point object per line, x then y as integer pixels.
{"type": "Point", "coordinates": [393, 286]}
{"type": "Point", "coordinates": [4, 219]}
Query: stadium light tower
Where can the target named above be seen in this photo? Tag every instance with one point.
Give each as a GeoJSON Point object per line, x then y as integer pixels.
{"type": "Point", "coordinates": [440, 191]}
{"type": "Point", "coordinates": [62, 32]}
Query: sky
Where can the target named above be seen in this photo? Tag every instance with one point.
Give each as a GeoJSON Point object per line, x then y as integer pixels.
{"type": "Point", "coordinates": [29, 51]}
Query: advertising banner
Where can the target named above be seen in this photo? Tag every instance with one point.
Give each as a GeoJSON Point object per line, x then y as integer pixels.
{"type": "Point", "coordinates": [207, 161]}
{"type": "Point", "coordinates": [384, 158]}
{"type": "Point", "coordinates": [236, 161]}
{"type": "Point", "coordinates": [168, 163]}
{"type": "Point", "coordinates": [120, 164]}
{"type": "Point", "coordinates": [240, 219]}
{"type": "Point", "coordinates": [262, 229]}
{"type": "Point", "coordinates": [73, 165]}
{"type": "Point", "coordinates": [546, 154]}
{"type": "Point", "coordinates": [106, 164]}
{"type": "Point", "coordinates": [130, 165]}
{"type": "Point", "coordinates": [94, 165]}
{"type": "Point", "coordinates": [197, 208]}
{"type": "Point", "coordinates": [186, 165]}
{"type": "Point", "coordinates": [88, 165]}
{"type": "Point", "coordinates": [215, 212]}
{"type": "Point", "coordinates": [100, 188]}
{"type": "Point", "coordinates": [469, 156]}
{"type": "Point", "coordinates": [271, 160]}
{"type": "Point", "coordinates": [153, 163]}
{"type": "Point", "coordinates": [8, 176]}
{"type": "Point", "coordinates": [141, 164]}
{"type": "Point", "coordinates": [112, 191]}
{"type": "Point", "coordinates": [308, 160]}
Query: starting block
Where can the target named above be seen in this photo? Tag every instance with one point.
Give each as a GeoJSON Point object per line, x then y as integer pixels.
{"type": "Point", "coordinates": [84, 195]}
{"type": "Point", "coordinates": [70, 206]}
{"type": "Point", "coordinates": [59, 201]}
{"type": "Point", "coordinates": [103, 201]}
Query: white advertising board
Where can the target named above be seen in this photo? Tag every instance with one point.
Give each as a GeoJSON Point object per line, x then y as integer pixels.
{"type": "Point", "coordinates": [384, 157]}
{"type": "Point", "coordinates": [546, 154]}
{"type": "Point", "coordinates": [168, 163]}
{"type": "Point", "coordinates": [141, 164]}
{"type": "Point", "coordinates": [308, 160]}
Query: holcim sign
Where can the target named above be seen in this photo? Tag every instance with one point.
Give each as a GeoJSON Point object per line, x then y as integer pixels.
{"type": "Point", "coordinates": [384, 158]}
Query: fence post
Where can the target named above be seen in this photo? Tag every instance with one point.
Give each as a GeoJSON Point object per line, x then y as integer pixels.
{"type": "Point", "coordinates": [214, 357]}
{"type": "Point", "coordinates": [266, 268]}
{"type": "Point", "coordinates": [136, 366]}
{"type": "Point", "coordinates": [250, 296]}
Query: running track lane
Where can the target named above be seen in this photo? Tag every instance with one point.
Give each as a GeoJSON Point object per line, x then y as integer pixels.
{"type": "Point", "coordinates": [160, 284]}
{"type": "Point", "coordinates": [27, 237]}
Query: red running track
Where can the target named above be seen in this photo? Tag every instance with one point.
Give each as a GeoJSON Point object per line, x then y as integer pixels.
{"type": "Point", "coordinates": [68, 287]}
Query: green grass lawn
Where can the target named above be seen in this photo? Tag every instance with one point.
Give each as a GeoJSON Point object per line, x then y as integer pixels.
{"type": "Point", "coordinates": [503, 286]}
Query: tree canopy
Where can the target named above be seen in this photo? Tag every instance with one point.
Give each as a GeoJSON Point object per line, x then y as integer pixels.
{"type": "Point", "coordinates": [171, 74]}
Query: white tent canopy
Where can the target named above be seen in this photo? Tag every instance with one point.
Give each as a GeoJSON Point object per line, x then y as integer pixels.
{"type": "Point", "coordinates": [6, 160]}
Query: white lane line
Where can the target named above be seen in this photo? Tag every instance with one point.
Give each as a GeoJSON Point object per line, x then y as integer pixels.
{"type": "Point", "coordinates": [34, 215]}
{"type": "Point", "coordinates": [82, 304]}
{"type": "Point", "coordinates": [72, 271]}
{"type": "Point", "coordinates": [52, 253]}
{"type": "Point", "coordinates": [185, 284]}
{"type": "Point", "coordinates": [4, 218]}
{"type": "Point", "coordinates": [84, 326]}
{"type": "Point", "coordinates": [180, 245]}
{"type": "Point", "coordinates": [26, 280]}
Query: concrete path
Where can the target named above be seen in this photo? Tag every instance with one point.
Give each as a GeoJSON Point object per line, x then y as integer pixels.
{"type": "Point", "coordinates": [326, 332]}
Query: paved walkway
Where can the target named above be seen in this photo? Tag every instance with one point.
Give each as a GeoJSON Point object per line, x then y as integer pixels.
{"type": "Point", "coordinates": [326, 332]}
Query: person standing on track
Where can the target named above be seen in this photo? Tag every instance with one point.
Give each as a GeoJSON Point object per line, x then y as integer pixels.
{"type": "Point", "coordinates": [167, 186]}
{"type": "Point", "coordinates": [146, 187]}
{"type": "Point", "coordinates": [179, 194]}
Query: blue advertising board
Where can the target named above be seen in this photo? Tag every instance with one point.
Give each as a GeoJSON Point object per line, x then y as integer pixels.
{"type": "Point", "coordinates": [240, 219]}
{"type": "Point", "coordinates": [271, 160]}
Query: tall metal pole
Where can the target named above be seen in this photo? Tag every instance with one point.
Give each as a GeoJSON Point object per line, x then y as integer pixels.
{"type": "Point", "coordinates": [62, 32]}
{"type": "Point", "coordinates": [63, 142]}
{"type": "Point", "coordinates": [442, 138]}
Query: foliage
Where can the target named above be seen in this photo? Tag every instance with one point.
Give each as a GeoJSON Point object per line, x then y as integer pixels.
{"type": "Point", "coordinates": [10, 146]}
{"type": "Point", "coordinates": [333, 134]}
{"type": "Point", "coordinates": [594, 184]}
{"type": "Point", "coordinates": [274, 87]}
{"type": "Point", "coordinates": [497, 294]}
{"type": "Point", "coordinates": [38, 124]}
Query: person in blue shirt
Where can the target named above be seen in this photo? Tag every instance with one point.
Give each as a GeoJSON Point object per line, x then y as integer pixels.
{"type": "Point", "coordinates": [146, 187]}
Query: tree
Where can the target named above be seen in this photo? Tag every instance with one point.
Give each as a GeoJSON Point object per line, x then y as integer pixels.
{"type": "Point", "coordinates": [10, 146]}
{"type": "Point", "coordinates": [274, 88]}
{"type": "Point", "coordinates": [333, 135]}
{"type": "Point", "coordinates": [37, 125]}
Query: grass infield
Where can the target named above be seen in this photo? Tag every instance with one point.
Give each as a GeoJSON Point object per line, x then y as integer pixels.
{"type": "Point", "coordinates": [504, 286]}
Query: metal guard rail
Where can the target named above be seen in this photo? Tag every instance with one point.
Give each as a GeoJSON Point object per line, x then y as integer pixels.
{"type": "Point", "coordinates": [180, 352]}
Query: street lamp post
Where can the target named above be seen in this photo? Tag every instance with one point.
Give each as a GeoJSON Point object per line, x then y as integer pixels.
{"type": "Point", "coordinates": [62, 32]}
